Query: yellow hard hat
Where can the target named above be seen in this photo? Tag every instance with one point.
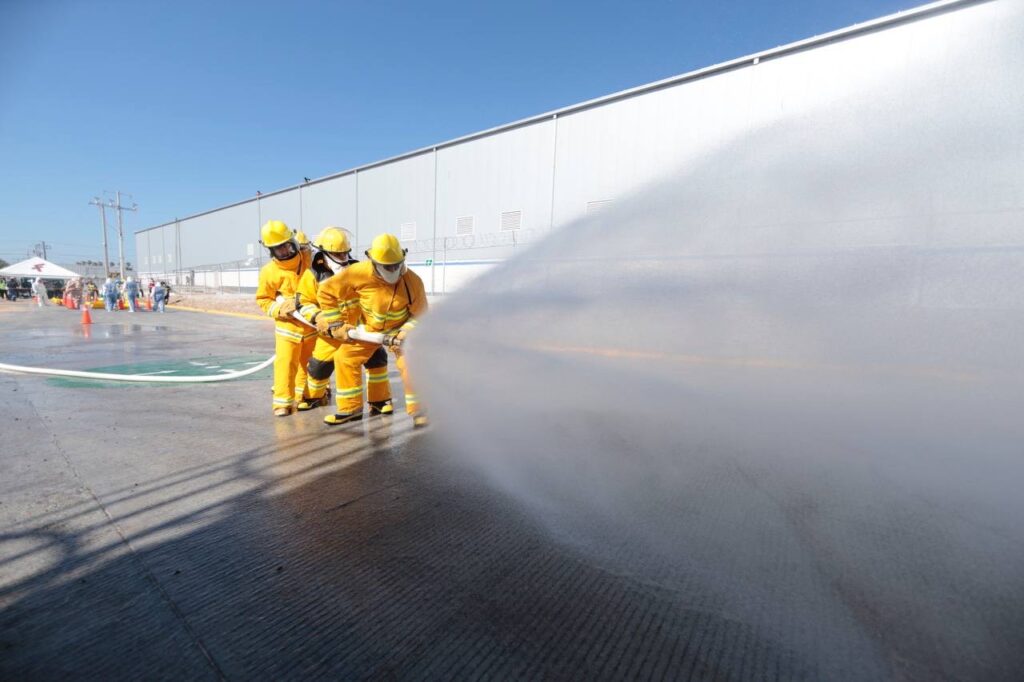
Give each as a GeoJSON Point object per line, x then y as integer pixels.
{"type": "Point", "coordinates": [333, 239]}
{"type": "Point", "coordinates": [275, 233]}
{"type": "Point", "coordinates": [386, 250]}
{"type": "Point", "coordinates": [301, 238]}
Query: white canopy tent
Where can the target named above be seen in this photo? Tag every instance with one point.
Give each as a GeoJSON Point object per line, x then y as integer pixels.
{"type": "Point", "coordinates": [37, 267]}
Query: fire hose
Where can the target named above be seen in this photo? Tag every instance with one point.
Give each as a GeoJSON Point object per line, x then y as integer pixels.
{"type": "Point", "coordinates": [139, 378]}
{"type": "Point", "coordinates": [357, 334]}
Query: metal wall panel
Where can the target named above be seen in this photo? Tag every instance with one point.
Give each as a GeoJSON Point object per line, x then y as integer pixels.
{"type": "Point", "coordinates": [283, 207]}
{"type": "Point", "coordinates": [142, 251]}
{"type": "Point", "coordinates": [490, 176]}
{"type": "Point", "coordinates": [556, 170]}
{"type": "Point", "coordinates": [395, 194]}
{"type": "Point", "coordinates": [332, 202]}
{"type": "Point", "coordinates": [230, 234]}
{"type": "Point", "coordinates": [610, 152]}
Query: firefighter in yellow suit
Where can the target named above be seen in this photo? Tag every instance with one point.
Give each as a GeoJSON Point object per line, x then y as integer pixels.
{"type": "Point", "coordinates": [276, 296]}
{"type": "Point", "coordinates": [385, 296]}
{"type": "Point", "coordinates": [305, 249]}
{"type": "Point", "coordinates": [333, 254]}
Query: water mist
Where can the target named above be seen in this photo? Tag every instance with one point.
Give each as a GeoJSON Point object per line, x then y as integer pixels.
{"type": "Point", "coordinates": [785, 382]}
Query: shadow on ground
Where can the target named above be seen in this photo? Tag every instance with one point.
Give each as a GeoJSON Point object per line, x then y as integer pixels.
{"type": "Point", "coordinates": [345, 562]}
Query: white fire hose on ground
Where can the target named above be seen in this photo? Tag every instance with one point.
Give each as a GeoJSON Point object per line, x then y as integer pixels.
{"type": "Point", "coordinates": [138, 378]}
{"type": "Point", "coordinates": [357, 334]}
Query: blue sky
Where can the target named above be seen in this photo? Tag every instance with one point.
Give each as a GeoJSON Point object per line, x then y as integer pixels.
{"type": "Point", "coordinates": [191, 105]}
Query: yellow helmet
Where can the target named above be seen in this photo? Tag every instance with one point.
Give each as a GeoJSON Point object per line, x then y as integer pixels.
{"type": "Point", "coordinates": [333, 239]}
{"type": "Point", "coordinates": [275, 233]}
{"type": "Point", "coordinates": [386, 250]}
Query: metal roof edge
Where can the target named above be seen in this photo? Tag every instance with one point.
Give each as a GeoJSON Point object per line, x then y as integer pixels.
{"type": "Point", "coordinates": [887, 21]}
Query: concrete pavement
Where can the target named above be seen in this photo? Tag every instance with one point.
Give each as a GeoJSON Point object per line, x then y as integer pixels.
{"type": "Point", "coordinates": [181, 532]}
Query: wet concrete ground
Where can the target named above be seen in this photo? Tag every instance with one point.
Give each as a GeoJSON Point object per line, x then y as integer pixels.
{"type": "Point", "coordinates": [180, 532]}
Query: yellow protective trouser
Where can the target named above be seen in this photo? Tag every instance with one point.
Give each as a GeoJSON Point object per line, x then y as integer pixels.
{"type": "Point", "coordinates": [348, 361]}
{"type": "Point", "coordinates": [324, 361]}
{"type": "Point", "coordinates": [290, 369]}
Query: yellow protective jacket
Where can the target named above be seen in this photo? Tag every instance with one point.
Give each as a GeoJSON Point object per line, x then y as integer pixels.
{"type": "Point", "coordinates": [281, 278]}
{"type": "Point", "coordinates": [309, 284]}
{"type": "Point", "coordinates": [308, 307]}
{"type": "Point", "coordinates": [357, 295]}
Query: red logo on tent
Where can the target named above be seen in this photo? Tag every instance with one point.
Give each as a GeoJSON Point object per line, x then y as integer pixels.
{"type": "Point", "coordinates": [38, 267]}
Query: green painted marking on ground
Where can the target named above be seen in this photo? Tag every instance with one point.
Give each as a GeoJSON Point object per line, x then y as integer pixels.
{"type": "Point", "coordinates": [203, 367]}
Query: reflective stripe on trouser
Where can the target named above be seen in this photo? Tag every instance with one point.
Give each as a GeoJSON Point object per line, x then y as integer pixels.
{"type": "Point", "coordinates": [378, 388]}
{"type": "Point", "coordinates": [289, 355]}
{"type": "Point", "coordinates": [321, 364]}
{"type": "Point", "coordinates": [324, 361]}
{"type": "Point", "coordinates": [300, 370]}
{"type": "Point", "coordinates": [348, 364]}
{"type": "Point", "coordinates": [412, 404]}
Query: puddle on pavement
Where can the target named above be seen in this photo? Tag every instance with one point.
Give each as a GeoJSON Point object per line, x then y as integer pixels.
{"type": "Point", "coordinates": [100, 331]}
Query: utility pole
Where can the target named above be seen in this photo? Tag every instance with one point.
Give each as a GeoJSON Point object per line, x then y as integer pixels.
{"type": "Point", "coordinates": [103, 217]}
{"type": "Point", "coordinates": [120, 226]}
{"type": "Point", "coordinates": [41, 246]}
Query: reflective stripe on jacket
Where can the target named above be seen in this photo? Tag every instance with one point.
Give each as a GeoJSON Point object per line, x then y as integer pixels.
{"type": "Point", "coordinates": [357, 295]}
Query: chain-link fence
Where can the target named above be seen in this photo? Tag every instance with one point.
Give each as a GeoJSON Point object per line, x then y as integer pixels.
{"type": "Point", "coordinates": [444, 263]}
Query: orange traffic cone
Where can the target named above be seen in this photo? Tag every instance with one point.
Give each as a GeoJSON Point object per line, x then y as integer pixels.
{"type": "Point", "coordinates": [86, 317]}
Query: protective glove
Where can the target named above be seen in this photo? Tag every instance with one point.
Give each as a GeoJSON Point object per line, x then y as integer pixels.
{"type": "Point", "coordinates": [340, 332]}
{"type": "Point", "coordinates": [286, 309]}
{"type": "Point", "coordinates": [323, 325]}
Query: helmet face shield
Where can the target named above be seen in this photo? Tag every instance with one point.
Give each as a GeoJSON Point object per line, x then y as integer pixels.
{"type": "Point", "coordinates": [336, 260]}
{"type": "Point", "coordinates": [285, 251]}
{"type": "Point", "coordinates": [390, 273]}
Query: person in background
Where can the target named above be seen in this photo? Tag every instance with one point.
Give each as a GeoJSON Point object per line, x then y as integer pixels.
{"type": "Point", "coordinates": [110, 294]}
{"type": "Point", "coordinates": [39, 291]}
{"type": "Point", "coordinates": [131, 292]}
{"type": "Point", "coordinates": [305, 249]}
{"type": "Point", "coordinates": [12, 289]}
{"type": "Point", "coordinates": [73, 292]}
{"type": "Point", "coordinates": [3, 288]}
{"type": "Point", "coordinates": [159, 296]}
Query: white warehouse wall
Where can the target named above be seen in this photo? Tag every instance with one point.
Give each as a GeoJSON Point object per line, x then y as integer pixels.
{"type": "Point", "coordinates": [549, 169]}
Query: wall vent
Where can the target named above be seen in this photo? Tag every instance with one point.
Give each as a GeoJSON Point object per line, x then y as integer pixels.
{"type": "Point", "coordinates": [599, 206]}
{"type": "Point", "coordinates": [464, 225]}
{"type": "Point", "coordinates": [408, 231]}
{"type": "Point", "coordinates": [511, 220]}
